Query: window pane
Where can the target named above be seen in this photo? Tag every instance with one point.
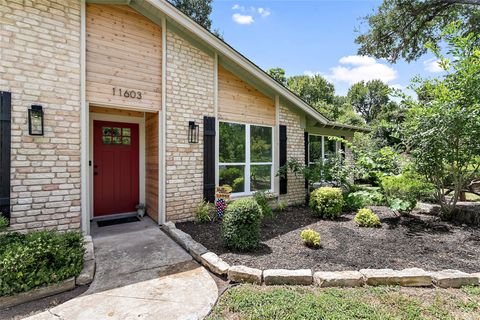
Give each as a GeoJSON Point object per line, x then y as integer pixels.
{"type": "Point", "coordinates": [232, 142]}
{"type": "Point", "coordinates": [233, 176]}
{"type": "Point", "coordinates": [106, 131]}
{"type": "Point", "coordinates": [260, 144]}
{"type": "Point", "coordinates": [260, 177]}
{"type": "Point", "coordinates": [330, 147]}
{"type": "Point", "coordinates": [126, 140]}
{"type": "Point", "coordinates": [315, 148]}
{"type": "Point", "coordinates": [117, 140]}
{"type": "Point", "coordinates": [107, 139]}
{"type": "Point", "coordinates": [116, 132]}
{"type": "Point", "coordinates": [126, 132]}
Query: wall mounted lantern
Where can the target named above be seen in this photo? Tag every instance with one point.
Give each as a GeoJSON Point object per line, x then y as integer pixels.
{"type": "Point", "coordinates": [193, 130]}
{"type": "Point", "coordinates": [35, 120]}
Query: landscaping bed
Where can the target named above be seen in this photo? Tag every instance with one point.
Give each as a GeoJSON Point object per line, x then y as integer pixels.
{"type": "Point", "coordinates": [401, 242]}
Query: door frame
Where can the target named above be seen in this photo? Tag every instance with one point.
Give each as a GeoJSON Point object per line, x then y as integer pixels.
{"type": "Point", "coordinates": [141, 131]}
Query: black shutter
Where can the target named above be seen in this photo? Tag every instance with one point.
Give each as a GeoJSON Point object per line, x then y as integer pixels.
{"type": "Point", "coordinates": [305, 135]}
{"type": "Point", "coordinates": [5, 119]}
{"type": "Point", "coordinates": [283, 158]}
{"type": "Point", "coordinates": [209, 159]}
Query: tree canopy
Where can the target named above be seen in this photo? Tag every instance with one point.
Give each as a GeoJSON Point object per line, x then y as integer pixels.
{"type": "Point", "coordinates": [368, 98]}
{"type": "Point", "coordinates": [198, 10]}
{"type": "Point", "coordinates": [401, 29]}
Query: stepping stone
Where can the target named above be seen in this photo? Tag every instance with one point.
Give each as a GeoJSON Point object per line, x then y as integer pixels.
{"type": "Point", "coordinates": [245, 274]}
{"type": "Point", "coordinates": [287, 277]}
{"type": "Point", "coordinates": [454, 279]}
{"type": "Point", "coordinates": [338, 279]}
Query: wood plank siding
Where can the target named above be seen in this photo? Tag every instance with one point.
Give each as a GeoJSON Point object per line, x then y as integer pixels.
{"type": "Point", "coordinates": [124, 51]}
{"type": "Point", "coordinates": [239, 102]}
{"type": "Point", "coordinates": [151, 165]}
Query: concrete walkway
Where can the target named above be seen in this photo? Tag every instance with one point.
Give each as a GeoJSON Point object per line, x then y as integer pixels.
{"type": "Point", "coordinates": [141, 274]}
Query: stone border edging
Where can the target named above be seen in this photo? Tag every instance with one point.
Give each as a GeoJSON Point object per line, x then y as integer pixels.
{"type": "Point", "coordinates": [85, 277]}
{"type": "Point", "coordinates": [411, 277]}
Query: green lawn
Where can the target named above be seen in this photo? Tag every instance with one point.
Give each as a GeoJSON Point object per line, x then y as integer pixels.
{"type": "Point", "coordinates": [256, 302]}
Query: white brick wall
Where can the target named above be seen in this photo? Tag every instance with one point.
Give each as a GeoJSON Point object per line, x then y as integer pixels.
{"type": "Point", "coordinates": [190, 82]}
{"type": "Point", "coordinates": [296, 191]}
{"type": "Point", "coordinates": [40, 55]}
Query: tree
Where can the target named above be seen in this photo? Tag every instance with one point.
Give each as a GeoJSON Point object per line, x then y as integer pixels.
{"type": "Point", "coordinates": [314, 90]}
{"type": "Point", "coordinates": [368, 98]}
{"type": "Point", "coordinates": [443, 131]}
{"type": "Point", "coordinates": [402, 28]}
{"type": "Point", "coordinates": [278, 74]}
{"type": "Point", "coordinates": [198, 10]}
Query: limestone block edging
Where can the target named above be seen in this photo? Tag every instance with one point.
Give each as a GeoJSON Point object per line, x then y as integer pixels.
{"type": "Point", "coordinates": [411, 277]}
{"type": "Point", "coordinates": [88, 272]}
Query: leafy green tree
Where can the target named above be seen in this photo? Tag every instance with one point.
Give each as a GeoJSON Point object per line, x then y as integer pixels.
{"type": "Point", "coordinates": [443, 132]}
{"type": "Point", "coordinates": [278, 74]}
{"type": "Point", "coordinates": [368, 98]}
{"type": "Point", "coordinates": [198, 10]}
{"type": "Point", "coordinates": [402, 28]}
{"type": "Point", "coordinates": [314, 90]}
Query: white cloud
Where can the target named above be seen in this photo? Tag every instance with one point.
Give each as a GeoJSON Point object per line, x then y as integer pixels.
{"type": "Point", "coordinates": [242, 19]}
{"type": "Point", "coordinates": [264, 12]}
{"type": "Point", "coordinates": [353, 69]}
{"type": "Point", "coordinates": [432, 65]}
{"type": "Point", "coordinates": [238, 7]}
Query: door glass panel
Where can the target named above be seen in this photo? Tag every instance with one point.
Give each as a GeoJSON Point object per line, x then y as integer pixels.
{"type": "Point", "coordinates": [107, 139]}
{"type": "Point", "coordinates": [116, 132]}
{"type": "Point", "coordinates": [126, 140]}
{"type": "Point", "coordinates": [126, 132]}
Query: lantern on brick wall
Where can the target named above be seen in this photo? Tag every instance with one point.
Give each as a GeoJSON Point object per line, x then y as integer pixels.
{"type": "Point", "coordinates": [35, 120]}
{"type": "Point", "coordinates": [193, 132]}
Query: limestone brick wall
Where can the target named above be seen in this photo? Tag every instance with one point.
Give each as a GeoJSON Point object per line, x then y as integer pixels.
{"type": "Point", "coordinates": [190, 97]}
{"type": "Point", "coordinates": [40, 64]}
{"type": "Point", "coordinates": [296, 191]}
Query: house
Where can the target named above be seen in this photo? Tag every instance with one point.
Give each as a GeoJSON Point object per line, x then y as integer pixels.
{"type": "Point", "coordinates": [108, 104]}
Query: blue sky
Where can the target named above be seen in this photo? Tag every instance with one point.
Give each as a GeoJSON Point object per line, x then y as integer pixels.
{"type": "Point", "coordinates": [308, 37]}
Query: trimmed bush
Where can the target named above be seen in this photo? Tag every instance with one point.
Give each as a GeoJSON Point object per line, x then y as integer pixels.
{"type": "Point", "coordinates": [204, 212]}
{"type": "Point", "coordinates": [38, 258]}
{"type": "Point", "coordinates": [326, 202]}
{"type": "Point", "coordinates": [366, 218]}
{"type": "Point", "coordinates": [241, 225]}
{"type": "Point", "coordinates": [310, 238]}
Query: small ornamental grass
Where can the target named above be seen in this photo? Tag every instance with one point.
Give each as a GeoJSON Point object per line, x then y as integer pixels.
{"type": "Point", "coordinates": [366, 218]}
{"type": "Point", "coordinates": [38, 258]}
{"type": "Point", "coordinates": [204, 212]}
{"type": "Point", "coordinates": [326, 202]}
{"type": "Point", "coordinates": [310, 238]}
{"type": "Point", "coordinates": [241, 225]}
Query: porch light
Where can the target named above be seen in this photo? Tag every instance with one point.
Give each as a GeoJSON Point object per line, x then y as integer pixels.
{"type": "Point", "coordinates": [193, 130]}
{"type": "Point", "coordinates": [35, 120]}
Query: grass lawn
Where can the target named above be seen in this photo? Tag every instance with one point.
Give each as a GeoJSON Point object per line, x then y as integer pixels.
{"type": "Point", "coordinates": [260, 302]}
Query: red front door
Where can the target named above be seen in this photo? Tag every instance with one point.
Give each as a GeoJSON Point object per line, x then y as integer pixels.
{"type": "Point", "coordinates": [115, 167]}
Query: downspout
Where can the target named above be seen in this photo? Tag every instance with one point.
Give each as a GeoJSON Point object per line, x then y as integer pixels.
{"type": "Point", "coordinates": [163, 129]}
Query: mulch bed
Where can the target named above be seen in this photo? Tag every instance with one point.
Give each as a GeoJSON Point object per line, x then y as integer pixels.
{"type": "Point", "coordinates": [401, 242]}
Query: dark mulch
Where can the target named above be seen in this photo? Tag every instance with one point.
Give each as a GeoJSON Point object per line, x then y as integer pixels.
{"type": "Point", "coordinates": [401, 242]}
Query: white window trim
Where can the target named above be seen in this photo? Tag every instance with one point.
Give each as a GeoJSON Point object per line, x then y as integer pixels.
{"type": "Point", "coordinates": [323, 146]}
{"type": "Point", "coordinates": [247, 164]}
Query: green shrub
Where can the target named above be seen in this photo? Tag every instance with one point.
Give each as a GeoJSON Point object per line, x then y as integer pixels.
{"type": "Point", "coordinates": [263, 199]}
{"type": "Point", "coordinates": [310, 238]}
{"type": "Point", "coordinates": [360, 199]}
{"type": "Point", "coordinates": [38, 258]}
{"type": "Point", "coordinates": [403, 191]}
{"type": "Point", "coordinates": [366, 218]}
{"type": "Point", "coordinates": [241, 225]}
{"type": "Point", "coordinates": [281, 206]}
{"type": "Point", "coordinates": [204, 212]}
{"type": "Point", "coordinates": [326, 202]}
{"type": "Point", "coordinates": [3, 223]}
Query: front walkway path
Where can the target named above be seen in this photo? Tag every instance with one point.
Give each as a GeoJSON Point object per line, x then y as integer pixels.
{"type": "Point", "coordinates": [141, 274]}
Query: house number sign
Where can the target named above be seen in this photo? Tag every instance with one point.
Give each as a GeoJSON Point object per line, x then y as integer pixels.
{"type": "Point", "coordinates": [126, 93]}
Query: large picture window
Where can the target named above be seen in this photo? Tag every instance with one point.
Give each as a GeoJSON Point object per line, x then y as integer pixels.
{"type": "Point", "coordinates": [320, 147]}
{"type": "Point", "coordinates": [245, 157]}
